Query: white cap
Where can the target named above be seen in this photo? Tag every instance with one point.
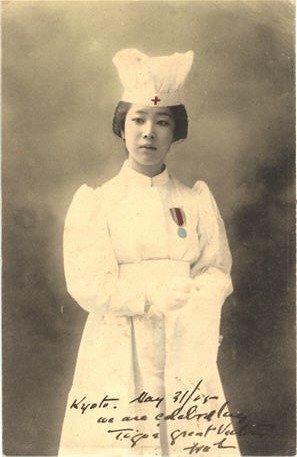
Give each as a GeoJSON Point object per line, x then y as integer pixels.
{"type": "Point", "coordinates": [153, 81]}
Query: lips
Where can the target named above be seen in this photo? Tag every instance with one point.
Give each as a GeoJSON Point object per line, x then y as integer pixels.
{"type": "Point", "coordinates": [148, 146]}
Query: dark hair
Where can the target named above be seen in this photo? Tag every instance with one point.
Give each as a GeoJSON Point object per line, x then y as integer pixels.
{"type": "Point", "coordinates": [178, 112]}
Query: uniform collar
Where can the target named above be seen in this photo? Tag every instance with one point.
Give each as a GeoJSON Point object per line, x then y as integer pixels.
{"type": "Point", "coordinates": [135, 177]}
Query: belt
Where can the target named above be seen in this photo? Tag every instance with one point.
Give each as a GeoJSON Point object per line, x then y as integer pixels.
{"type": "Point", "coordinates": [160, 268]}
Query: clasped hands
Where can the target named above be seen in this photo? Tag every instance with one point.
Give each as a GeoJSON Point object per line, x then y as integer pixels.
{"type": "Point", "coordinates": [169, 296]}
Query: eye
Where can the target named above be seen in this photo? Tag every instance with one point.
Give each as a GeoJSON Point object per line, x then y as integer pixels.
{"type": "Point", "coordinates": [138, 120]}
{"type": "Point", "coordinates": [163, 123]}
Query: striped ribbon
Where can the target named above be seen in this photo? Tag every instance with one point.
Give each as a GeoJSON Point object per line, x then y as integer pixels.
{"type": "Point", "coordinates": [178, 215]}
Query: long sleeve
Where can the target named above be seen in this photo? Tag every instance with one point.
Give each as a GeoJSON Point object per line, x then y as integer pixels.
{"type": "Point", "coordinates": [90, 264]}
{"type": "Point", "coordinates": [211, 272]}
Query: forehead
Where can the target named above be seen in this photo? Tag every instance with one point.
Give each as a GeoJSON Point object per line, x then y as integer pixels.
{"type": "Point", "coordinates": [150, 110]}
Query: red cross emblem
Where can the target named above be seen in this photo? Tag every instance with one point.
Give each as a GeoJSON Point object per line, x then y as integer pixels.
{"type": "Point", "coordinates": [155, 100]}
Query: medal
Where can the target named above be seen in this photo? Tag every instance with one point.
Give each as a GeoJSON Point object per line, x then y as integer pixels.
{"type": "Point", "coordinates": [182, 232]}
{"type": "Point", "coordinates": [179, 218]}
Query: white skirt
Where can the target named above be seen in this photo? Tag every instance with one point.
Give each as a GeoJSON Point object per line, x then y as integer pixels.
{"type": "Point", "coordinates": [149, 386]}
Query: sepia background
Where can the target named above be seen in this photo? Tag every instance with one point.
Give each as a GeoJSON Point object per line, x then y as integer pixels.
{"type": "Point", "coordinates": [59, 90]}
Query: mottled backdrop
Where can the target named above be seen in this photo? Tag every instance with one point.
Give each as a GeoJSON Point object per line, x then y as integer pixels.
{"type": "Point", "coordinates": [59, 92]}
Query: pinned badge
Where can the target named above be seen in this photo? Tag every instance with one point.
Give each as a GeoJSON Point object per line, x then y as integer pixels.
{"type": "Point", "coordinates": [179, 217]}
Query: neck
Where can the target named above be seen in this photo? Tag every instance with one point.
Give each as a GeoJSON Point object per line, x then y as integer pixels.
{"type": "Point", "coordinates": [147, 170]}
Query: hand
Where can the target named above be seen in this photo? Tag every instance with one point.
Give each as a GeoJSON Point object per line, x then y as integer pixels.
{"type": "Point", "coordinates": [169, 296]}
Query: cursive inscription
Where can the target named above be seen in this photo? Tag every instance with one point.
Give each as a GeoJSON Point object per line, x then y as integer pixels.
{"type": "Point", "coordinates": [145, 397]}
{"type": "Point", "coordinates": [133, 436]}
{"type": "Point", "coordinates": [84, 406]}
{"type": "Point", "coordinates": [197, 423]}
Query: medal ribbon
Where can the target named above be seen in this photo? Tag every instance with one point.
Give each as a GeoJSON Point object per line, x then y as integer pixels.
{"type": "Point", "coordinates": [178, 216]}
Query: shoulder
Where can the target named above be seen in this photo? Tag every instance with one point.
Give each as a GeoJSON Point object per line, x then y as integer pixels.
{"type": "Point", "coordinates": [206, 201]}
{"type": "Point", "coordinates": [200, 187]}
{"type": "Point", "coordinates": [111, 185]}
{"type": "Point", "coordinates": [180, 185]}
{"type": "Point", "coordinates": [202, 192]}
{"type": "Point", "coordinates": [85, 195]}
{"type": "Point", "coordinates": [199, 194]}
{"type": "Point", "coordinates": [86, 199]}
{"type": "Point", "coordinates": [85, 204]}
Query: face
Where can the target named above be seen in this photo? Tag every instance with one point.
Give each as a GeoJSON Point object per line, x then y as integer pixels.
{"type": "Point", "coordinates": [148, 135]}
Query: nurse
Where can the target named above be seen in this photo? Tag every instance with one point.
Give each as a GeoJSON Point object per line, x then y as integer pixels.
{"type": "Point", "coordinates": [148, 258]}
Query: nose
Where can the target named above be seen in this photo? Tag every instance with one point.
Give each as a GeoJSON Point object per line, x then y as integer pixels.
{"type": "Point", "coordinates": [148, 131]}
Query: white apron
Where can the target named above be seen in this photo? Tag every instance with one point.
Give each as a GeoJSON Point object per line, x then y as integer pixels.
{"type": "Point", "coordinates": [146, 384]}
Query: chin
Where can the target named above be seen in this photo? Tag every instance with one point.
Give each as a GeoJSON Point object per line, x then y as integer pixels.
{"type": "Point", "coordinates": [148, 160]}
{"type": "Point", "coordinates": [150, 163]}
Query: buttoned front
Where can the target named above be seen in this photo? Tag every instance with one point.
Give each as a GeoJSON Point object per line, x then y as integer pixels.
{"type": "Point", "coordinates": [120, 241]}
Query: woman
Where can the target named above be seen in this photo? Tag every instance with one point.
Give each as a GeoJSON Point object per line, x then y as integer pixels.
{"type": "Point", "coordinates": [148, 258]}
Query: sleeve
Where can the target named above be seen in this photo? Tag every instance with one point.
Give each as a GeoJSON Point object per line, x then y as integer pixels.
{"type": "Point", "coordinates": [211, 271]}
{"type": "Point", "coordinates": [90, 265]}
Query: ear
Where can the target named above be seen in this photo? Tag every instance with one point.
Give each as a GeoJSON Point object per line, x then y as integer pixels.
{"type": "Point", "coordinates": [123, 135]}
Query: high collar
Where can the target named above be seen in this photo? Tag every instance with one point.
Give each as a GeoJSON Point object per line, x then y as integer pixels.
{"type": "Point", "coordinates": [134, 177]}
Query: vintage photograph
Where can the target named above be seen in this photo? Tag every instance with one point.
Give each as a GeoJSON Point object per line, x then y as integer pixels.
{"type": "Point", "coordinates": [148, 228]}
